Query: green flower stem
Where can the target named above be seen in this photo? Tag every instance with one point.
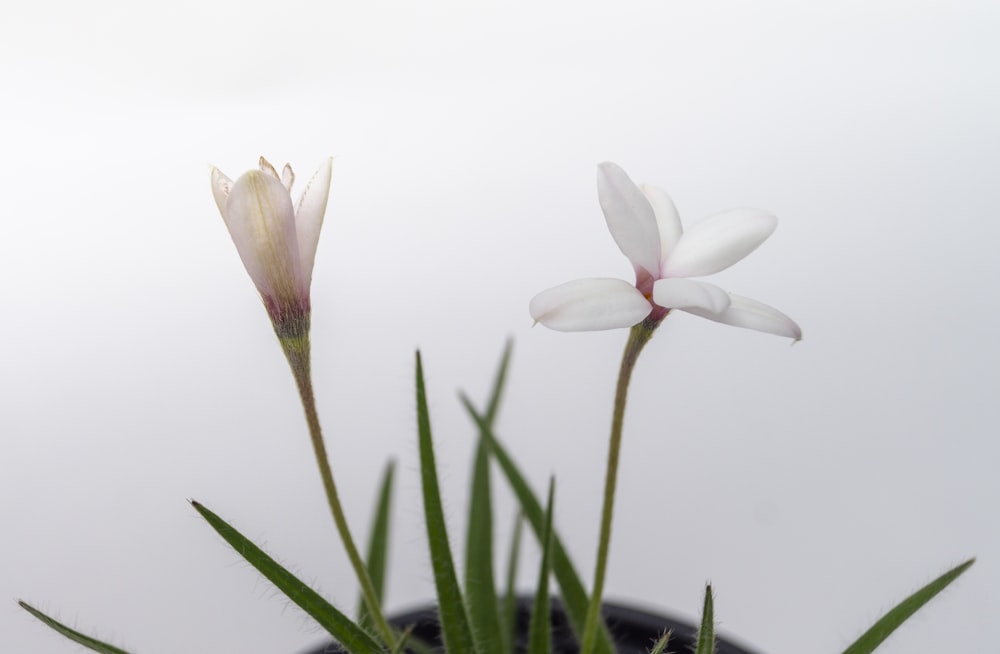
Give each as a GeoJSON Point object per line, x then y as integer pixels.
{"type": "Point", "coordinates": [296, 349]}
{"type": "Point", "coordinates": [638, 336]}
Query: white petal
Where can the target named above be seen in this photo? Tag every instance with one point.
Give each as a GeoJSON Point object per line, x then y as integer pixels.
{"type": "Point", "coordinates": [287, 177]}
{"type": "Point", "coordinates": [630, 218]}
{"type": "Point", "coordinates": [309, 216]}
{"type": "Point", "coordinates": [718, 242]}
{"type": "Point", "coordinates": [668, 221]}
{"type": "Point", "coordinates": [221, 186]}
{"type": "Point", "coordinates": [744, 312]}
{"type": "Point", "coordinates": [261, 221]}
{"type": "Point", "coordinates": [590, 305]}
{"type": "Point", "coordinates": [265, 166]}
{"type": "Point", "coordinates": [679, 293]}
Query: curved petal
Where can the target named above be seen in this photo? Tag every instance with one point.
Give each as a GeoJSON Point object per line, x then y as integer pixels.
{"type": "Point", "coordinates": [718, 242]}
{"type": "Point", "coordinates": [630, 218]}
{"type": "Point", "coordinates": [309, 216]}
{"type": "Point", "coordinates": [679, 293]}
{"type": "Point", "coordinates": [590, 305]}
{"type": "Point", "coordinates": [668, 221]}
{"type": "Point", "coordinates": [221, 186]}
{"type": "Point", "coordinates": [260, 219]}
{"type": "Point", "coordinates": [751, 314]}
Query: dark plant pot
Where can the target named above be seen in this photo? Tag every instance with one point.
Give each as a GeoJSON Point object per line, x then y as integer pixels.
{"type": "Point", "coordinates": [633, 631]}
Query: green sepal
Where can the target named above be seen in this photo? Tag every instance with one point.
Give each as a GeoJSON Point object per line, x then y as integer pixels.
{"type": "Point", "coordinates": [902, 611]}
{"type": "Point", "coordinates": [351, 636]}
{"type": "Point", "coordinates": [72, 634]}
{"type": "Point", "coordinates": [455, 629]}
{"type": "Point", "coordinates": [378, 545]}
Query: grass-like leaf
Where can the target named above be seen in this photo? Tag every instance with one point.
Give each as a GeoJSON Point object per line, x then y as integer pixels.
{"type": "Point", "coordinates": [540, 632]}
{"type": "Point", "coordinates": [902, 611]}
{"type": "Point", "coordinates": [510, 595]}
{"type": "Point", "coordinates": [455, 628]}
{"type": "Point", "coordinates": [378, 545]}
{"type": "Point", "coordinates": [573, 594]}
{"type": "Point", "coordinates": [480, 586]}
{"type": "Point", "coordinates": [355, 639]}
{"type": "Point", "coordinates": [72, 634]}
{"type": "Point", "coordinates": [661, 643]}
{"type": "Point", "coordinates": [706, 634]}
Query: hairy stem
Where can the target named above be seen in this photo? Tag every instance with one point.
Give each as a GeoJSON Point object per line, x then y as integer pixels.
{"type": "Point", "coordinates": [638, 336]}
{"type": "Point", "coordinates": [297, 351]}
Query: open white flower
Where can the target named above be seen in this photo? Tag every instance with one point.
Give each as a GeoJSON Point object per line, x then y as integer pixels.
{"type": "Point", "coordinates": [276, 242]}
{"type": "Point", "coordinates": [646, 226]}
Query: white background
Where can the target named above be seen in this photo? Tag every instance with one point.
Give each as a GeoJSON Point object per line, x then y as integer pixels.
{"type": "Point", "coordinates": [815, 485]}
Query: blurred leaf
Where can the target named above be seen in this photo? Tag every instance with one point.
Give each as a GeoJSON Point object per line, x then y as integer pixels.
{"type": "Point", "coordinates": [573, 593]}
{"type": "Point", "coordinates": [706, 635]}
{"type": "Point", "coordinates": [480, 586]}
{"type": "Point", "coordinates": [902, 612]}
{"type": "Point", "coordinates": [661, 643]}
{"type": "Point", "coordinates": [540, 633]}
{"type": "Point", "coordinates": [75, 636]}
{"type": "Point", "coordinates": [499, 381]}
{"type": "Point", "coordinates": [378, 546]}
{"type": "Point", "coordinates": [351, 636]}
{"type": "Point", "coordinates": [455, 629]}
{"type": "Point", "coordinates": [510, 598]}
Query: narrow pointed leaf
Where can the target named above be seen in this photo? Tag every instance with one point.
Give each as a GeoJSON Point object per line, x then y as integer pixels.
{"type": "Point", "coordinates": [378, 545]}
{"type": "Point", "coordinates": [573, 593]}
{"type": "Point", "coordinates": [706, 635]}
{"type": "Point", "coordinates": [539, 634]}
{"type": "Point", "coordinates": [499, 381]}
{"type": "Point", "coordinates": [480, 588]}
{"type": "Point", "coordinates": [455, 628]}
{"type": "Point", "coordinates": [402, 642]}
{"type": "Point", "coordinates": [355, 639]}
{"type": "Point", "coordinates": [902, 611]}
{"type": "Point", "coordinates": [510, 598]}
{"type": "Point", "coordinates": [72, 634]}
{"type": "Point", "coordinates": [661, 643]}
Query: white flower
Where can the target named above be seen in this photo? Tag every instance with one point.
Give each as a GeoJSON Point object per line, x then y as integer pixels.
{"type": "Point", "coordinates": [276, 242]}
{"type": "Point", "coordinates": [646, 226]}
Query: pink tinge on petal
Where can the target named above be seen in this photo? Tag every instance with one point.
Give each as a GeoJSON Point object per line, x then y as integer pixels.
{"type": "Point", "coordinates": [261, 222]}
{"type": "Point", "coordinates": [590, 305]}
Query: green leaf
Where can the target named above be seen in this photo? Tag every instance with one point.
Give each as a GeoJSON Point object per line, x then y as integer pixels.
{"type": "Point", "coordinates": [510, 598]}
{"type": "Point", "coordinates": [573, 594]}
{"type": "Point", "coordinates": [706, 635]}
{"type": "Point", "coordinates": [902, 612]}
{"type": "Point", "coordinates": [661, 643]}
{"type": "Point", "coordinates": [351, 636]}
{"type": "Point", "coordinates": [499, 381]}
{"type": "Point", "coordinates": [480, 586]}
{"type": "Point", "coordinates": [539, 634]}
{"type": "Point", "coordinates": [72, 634]}
{"type": "Point", "coordinates": [378, 545]}
{"type": "Point", "coordinates": [455, 629]}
